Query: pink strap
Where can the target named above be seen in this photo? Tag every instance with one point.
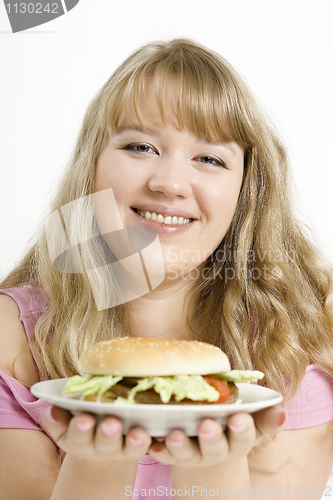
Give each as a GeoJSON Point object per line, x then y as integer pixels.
{"type": "Point", "coordinates": [153, 480]}
{"type": "Point", "coordinates": [31, 302]}
{"type": "Point", "coordinates": [313, 403]}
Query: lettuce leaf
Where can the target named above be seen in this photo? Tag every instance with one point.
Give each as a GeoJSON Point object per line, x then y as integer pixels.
{"type": "Point", "coordinates": [90, 385]}
{"type": "Point", "coordinates": [240, 376]}
{"type": "Point", "coordinates": [192, 387]}
{"type": "Point", "coordinates": [180, 386]}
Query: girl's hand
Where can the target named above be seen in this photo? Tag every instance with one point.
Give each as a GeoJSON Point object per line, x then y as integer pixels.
{"type": "Point", "coordinates": [81, 437]}
{"type": "Point", "coordinates": [214, 446]}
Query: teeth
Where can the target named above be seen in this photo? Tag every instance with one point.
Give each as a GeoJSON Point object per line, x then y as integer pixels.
{"type": "Point", "coordinates": [180, 221]}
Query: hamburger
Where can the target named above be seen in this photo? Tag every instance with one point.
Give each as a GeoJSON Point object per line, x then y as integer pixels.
{"type": "Point", "coordinates": [131, 370]}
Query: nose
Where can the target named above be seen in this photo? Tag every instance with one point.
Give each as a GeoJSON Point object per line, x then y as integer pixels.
{"type": "Point", "coordinates": [172, 178]}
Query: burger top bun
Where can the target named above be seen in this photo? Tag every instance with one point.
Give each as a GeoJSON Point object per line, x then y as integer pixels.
{"type": "Point", "coordinates": [144, 357]}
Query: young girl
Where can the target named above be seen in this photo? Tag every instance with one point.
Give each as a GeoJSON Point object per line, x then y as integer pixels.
{"type": "Point", "coordinates": [176, 137]}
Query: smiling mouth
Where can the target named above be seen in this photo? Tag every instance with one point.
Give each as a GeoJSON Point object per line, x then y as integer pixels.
{"type": "Point", "coordinates": [168, 220]}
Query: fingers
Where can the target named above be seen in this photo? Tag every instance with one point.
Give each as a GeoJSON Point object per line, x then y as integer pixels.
{"type": "Point", "coordinates": [241, 434]}
{"type": "Point", "coordinates": [176, 449]}
{"type": "Point", "coordinates": [212, 440]}
{"type": "Point", "coordinates": [55, 421]}
{"type": "Point", "coordinates": [110, 442]}
{"type": "Point", "coordinates": [217, 446]}
{"type": "Point", "coordinates": [213, 446]}
{"type": "Point", "coordinates": [246, 431]}
{"type": "Point", "coordinates": [80, 436]}
{"type": "Point", "coordinates": [180, 446]}
{"type": "Point", "coordinates": [137, 442]}
{"type": "Point", "coordinates": [109, 436]}
{"type": "Point", "coordinates": [70, 433]}
{"type": "Point", "coordinates": [269, 421]}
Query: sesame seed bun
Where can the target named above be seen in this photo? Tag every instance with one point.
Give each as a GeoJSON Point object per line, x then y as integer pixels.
{"type": "Point", "coordinates": [144, 357]}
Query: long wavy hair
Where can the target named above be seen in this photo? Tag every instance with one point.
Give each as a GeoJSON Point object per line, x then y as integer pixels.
{"type": "Point", "coordinates": [266, 298]}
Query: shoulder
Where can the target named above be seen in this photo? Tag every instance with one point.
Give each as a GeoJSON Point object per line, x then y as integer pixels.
{"type": "Point", "coordinates": [15, 356]}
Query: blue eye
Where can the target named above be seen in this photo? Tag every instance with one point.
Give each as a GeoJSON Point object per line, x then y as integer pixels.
{"type": "Point", "coordinates": [140, 148]}
{"type": "Point", "coordinates": [211, 160]}
{"type": "Point", "coordinates": [207, 159]}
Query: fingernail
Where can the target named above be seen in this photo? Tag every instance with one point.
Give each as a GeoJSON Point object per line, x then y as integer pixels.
{"type": "Point", "coordinates": [85, 426]}
{"type": "Point", "coordinates": [159, 439]}
{"type": "Point", "coordinates": [176, 444]}
{"type": "Point", "coordinates": [282, 418]}
{"type": "Point", "coordinates": [135, 441]}
{"type": "Point", "coordinates": [110, 430]}
{"type": "Point", "coordinates": [207, 435]}
{"type": "Point", "coordinates": [50, 416]}
{"type": "Point", "coordinates": [176, 440]}
{"type": "Point", "coordinates": [237, 428]}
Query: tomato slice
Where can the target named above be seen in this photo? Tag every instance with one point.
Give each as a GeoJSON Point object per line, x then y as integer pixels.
{"type": "Point", "coordinates": [220, 386]}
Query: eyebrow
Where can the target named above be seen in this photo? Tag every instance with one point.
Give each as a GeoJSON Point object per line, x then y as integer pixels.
{"type": "Point", "coordinates": [228, 145]}
{"type": "Point", "coordinates": [137, 128]}
{"type": "Point", "coordinates": [145, 130]}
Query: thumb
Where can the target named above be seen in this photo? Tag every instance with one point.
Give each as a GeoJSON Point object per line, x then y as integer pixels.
{"type": "Point", "coordinates": [56, 421]}
{"type": "Point", "coordinates": [269, 421]}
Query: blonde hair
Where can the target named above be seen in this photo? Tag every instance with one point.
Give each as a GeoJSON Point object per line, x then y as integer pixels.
{"type": "Point", "coordinates": [266, 271]}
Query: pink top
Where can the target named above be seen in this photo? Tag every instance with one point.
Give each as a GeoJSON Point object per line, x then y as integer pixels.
{"type": "Point", "coordinates": [313, 404]}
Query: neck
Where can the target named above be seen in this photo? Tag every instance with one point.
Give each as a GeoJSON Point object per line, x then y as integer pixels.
{"type": "Point", "coordinates": [161, 313]}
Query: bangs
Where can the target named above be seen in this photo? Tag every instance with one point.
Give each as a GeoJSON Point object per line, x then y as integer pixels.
{"type": "Point", "coordinates": [202, 92]}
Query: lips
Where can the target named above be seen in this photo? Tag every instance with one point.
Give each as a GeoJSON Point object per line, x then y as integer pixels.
{"type": "Point", "coordinates": [164, 215]}
{"type": "Point", "coordinates": [168, 220]}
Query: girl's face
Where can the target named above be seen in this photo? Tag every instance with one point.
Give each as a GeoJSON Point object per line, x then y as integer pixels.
{"type": "Point", "coordinates": [174, 182]}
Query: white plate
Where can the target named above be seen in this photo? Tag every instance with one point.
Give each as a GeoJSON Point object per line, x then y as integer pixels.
{"type": "Point", "coordinates": [158, 420]}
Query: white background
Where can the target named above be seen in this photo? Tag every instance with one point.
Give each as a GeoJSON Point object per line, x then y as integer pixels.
{"type": "Point", "coordinates": [49, 74]}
